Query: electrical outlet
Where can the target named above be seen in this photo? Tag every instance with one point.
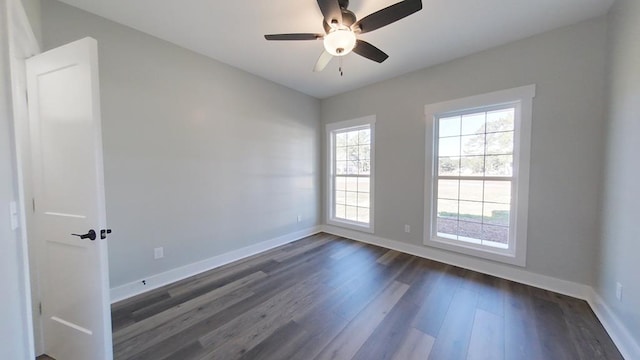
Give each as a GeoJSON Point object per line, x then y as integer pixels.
{"type": "Point", "coordinates": [407, 228]}
{"type": "Point", "coordinates": [299, 218]}
{"type": "Point", "coordinates": [158, 253]}
{"type": "Point", "coordinates": [619, 291]}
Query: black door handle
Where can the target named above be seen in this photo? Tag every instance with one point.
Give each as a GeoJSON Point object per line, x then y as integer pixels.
{"type": "Point", "coordinates": [91, 235]}
{"type": "Point", "coordinates": [103, 233]}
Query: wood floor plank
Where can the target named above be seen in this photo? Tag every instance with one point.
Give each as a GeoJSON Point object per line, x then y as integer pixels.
{"type": "Point", "coordinates": [521, 339]}
{"type": "Point", "coordinates": [588, 334]}
{"type": "Point", "coordinates": [452, 341]}
{"type": "Point", "coordinates": [246, 331]}
{"type": "Point", "coordinates": [347, 250]}
{"type": "Point", "coordinates": [163, 317]}
{"type": "Point", "coordinates": [552, 331]}
{"type": "Point", "coordinates": [416, 346]}
{"type": "Point", "coordinates": [154, 335]}
{"type": "Point", "coordinates": [389, 334]}
{"type": "Point", "coordinates": [388, 257]}
{"type": "Point", "coordinates": [487, 337]}
{"type": "Point", "coordinates": [281, 344]}
{"type": "Point", "coordinates": [347, 343]}
{"type": "Point", "coordinates": [435, 306]}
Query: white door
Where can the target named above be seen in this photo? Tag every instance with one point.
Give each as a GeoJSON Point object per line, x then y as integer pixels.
{"type": "Point", "coordinates": [68, 184]}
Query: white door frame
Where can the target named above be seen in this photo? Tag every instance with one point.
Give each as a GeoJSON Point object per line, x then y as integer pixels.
{"type": "Point", "coordinates": [22, 45]}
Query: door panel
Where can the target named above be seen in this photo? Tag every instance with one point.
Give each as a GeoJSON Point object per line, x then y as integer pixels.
{"type": "Point", "coordinates": [64, 111]}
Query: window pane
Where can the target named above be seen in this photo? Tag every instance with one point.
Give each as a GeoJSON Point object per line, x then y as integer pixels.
{"type": "Point", "coordinates": [341, 153]}
{"type": "Point", "coordinates": [341, 139]}
{"type": "Point", "coordinates": [497, 191]}
{"type": "Point", "coordinates": [496, 214]}
{"type": "Point", "coordinates": [352, 167]}
{"type": "Point", "coordinates": [470, 230]}
{"type": "Point", "coordinates": [340, 197]}
{"type": "Point", "coordinates": [471, 190]}
{"type": "Point", "coordinates": [448, 189]}
{"type": "Point", "coordinates": [363, 184]}
{"type": "Point", "coordinates": [473, 144]}
{"type": "Point", "coordinates": [448, 209]}
{"type": "Point", "coordinates": [352, 198]}
{"type": "Point", "coordinates": [447, 227]}
{"type": "Point", "coordinates": [352, 138]}
{"type": "Point", "coordinates": [352, 184]}
{"type": "Point", "coordinates": [340, 211]}
{"type": "Point", "coordinates": [364, 167]}
{"type": "Point", "coordinates": [352, 213]}
{"type": "Point", "coordinates": [470, 211]}
{"type": "Point", "coordinates": [500, 120]}
{"type": "Point", "coordinates": [499, 165]}
{"type": "Point", "coordinates": [363, 200]}
{"type": "Point", "coordinates": [500, 143]}
{"type": "Point", "coordinates": [364, 151]}
{"type": "Point", "coordinates": [364, 136]}
{"type": "Point", "coordinates": [449, 126]}
{"type": "Point", "coordinates": [473, 124]}
{"type": "Point", "coordinates": [341, 167]}
{"type": "Point", "coordinates": [341, 183]}
{"type": "Point", "coordinates": [449, 146]}
{"type": "Point", "coordinates": [472, 166]}
{"type": "Point", "coordinates": [499, 234]}
{"type": "Point", "coordinates": [449, 166]}
{"type": "Point", "coordinates": [363, 215]}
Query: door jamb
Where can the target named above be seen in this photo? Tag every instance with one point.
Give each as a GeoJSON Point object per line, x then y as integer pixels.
{"type": "Point", "coordinates": [22, 45]}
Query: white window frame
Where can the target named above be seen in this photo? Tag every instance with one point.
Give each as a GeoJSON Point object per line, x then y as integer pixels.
{"type": "Point", "coordinates": [522, 99]}
{"type": "Point", "coordinates": [330, 141]}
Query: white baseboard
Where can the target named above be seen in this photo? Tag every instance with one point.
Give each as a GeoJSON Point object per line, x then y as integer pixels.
{"type": "Point", "coordinates": [620, 334]}
{"type": "Point", "coordinates": [158, 280]}
{"type": "Point", "coordinates": [504, 271]}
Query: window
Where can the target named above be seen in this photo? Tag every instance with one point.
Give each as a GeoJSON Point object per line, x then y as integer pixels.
{"type": "Point", "coordinates": [350, 169]}
{"type": "Point", "coordinates": [479, 175]}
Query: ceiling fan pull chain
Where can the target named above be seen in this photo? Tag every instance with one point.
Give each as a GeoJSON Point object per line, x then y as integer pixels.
{"type": "Point", "coordinates": [340, 66]}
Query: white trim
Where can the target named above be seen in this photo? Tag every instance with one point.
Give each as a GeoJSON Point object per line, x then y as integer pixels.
{"type": "Point", "coordinates": [22, 43]}
{"type": "Point", "coordinates": [500, 270]}
{"type": "Point", "coordinates": [158, 280]}
{"type": "Point", "coordinates": [522, 98]}
{"type": "Point", "coordinates": [619, 333]}
{"type": "Point", "coordinates": [369, 121]}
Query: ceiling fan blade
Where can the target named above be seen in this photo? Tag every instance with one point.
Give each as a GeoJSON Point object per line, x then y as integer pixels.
{"type": "Point", "coordinates": [369, 51]}
{"type": "Point", "coordinates": [388, 15]}
{"type": "Point", "coordinates": [302, 36]}
{"type": "Point", "coordinates": [330, 10]}
{"type": "Point", "coordinates": [323, 61]}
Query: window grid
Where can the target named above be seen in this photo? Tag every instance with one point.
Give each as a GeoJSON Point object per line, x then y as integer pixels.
{"type": "Point", "coordinates": [463, 221]}
{"type": "Point", "coordinates": [351, 180]}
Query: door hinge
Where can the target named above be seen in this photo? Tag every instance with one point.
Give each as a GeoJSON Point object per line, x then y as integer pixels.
{"type": "Point", "coordinates": [40, 308]}
{"type": "Point", "coordinates": [33, 204]}
{"type": "Point", "coordinates": [26, 96]}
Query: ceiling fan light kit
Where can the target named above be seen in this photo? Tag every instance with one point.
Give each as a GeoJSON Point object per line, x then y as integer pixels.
{"type": "Point", "coordinates": [340, 42]}
{"type": "Point", "coordinates": [342, 28]}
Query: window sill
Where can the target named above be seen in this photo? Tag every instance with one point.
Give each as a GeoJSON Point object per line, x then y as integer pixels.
{"type": "Point", "coordinates": [484, 252]}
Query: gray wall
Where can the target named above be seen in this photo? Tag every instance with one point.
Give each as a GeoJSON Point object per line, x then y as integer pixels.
{"type": "Point", "coordinates": [567, 143]}
{"type": "Point", "coordinates": [34, 13]}
{"type": "Point", "coordinates": [620, 245]}
{"type": "Point", "coordinates": [200, 158]}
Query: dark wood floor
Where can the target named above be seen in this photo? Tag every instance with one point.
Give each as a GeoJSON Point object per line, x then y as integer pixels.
{"type": "Point", "coordinates": [326, 297]}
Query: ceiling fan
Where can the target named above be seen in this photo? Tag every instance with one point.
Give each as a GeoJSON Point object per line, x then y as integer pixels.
{"type": "Point", "coordinates": [342, 29]}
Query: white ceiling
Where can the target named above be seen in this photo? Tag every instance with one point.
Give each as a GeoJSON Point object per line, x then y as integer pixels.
{"type": "Point", "coordinates": [232, 32]}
